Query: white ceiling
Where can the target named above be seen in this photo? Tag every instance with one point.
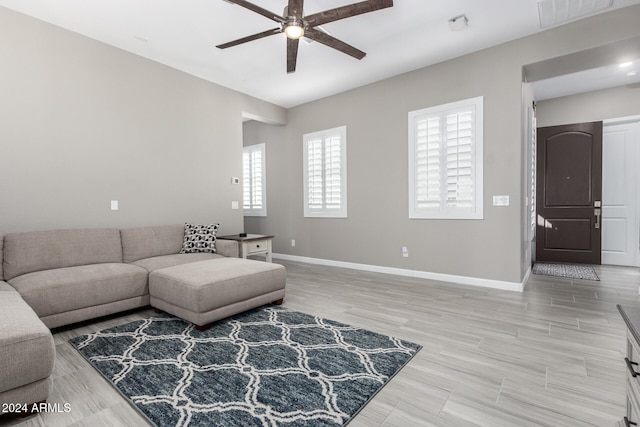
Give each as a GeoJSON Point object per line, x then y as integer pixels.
{"type": "Point", "coordinates": [183, 34]}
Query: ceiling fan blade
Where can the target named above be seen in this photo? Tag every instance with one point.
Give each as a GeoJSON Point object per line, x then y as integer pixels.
{"type": "Point", "coordinates": [295, 8]}
{"type": "Point", "coordinates": [347, 11]}
{"type": "Point", "coordinates": [250, 38]}
{"type": "Point", "coordinates": [259, 10]}
{"type": "Point", "coordinates": [292, 54]}
{"type": "Point", "coordinates": [333, 42]}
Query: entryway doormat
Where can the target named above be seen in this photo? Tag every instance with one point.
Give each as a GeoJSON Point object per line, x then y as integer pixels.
{"type": "Point", "coordinates": [571, 271]}
{"type": "Point", "coordinates": [267, 367]}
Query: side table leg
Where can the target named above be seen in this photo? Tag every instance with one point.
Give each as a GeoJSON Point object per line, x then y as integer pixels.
{"type": "Point", "coordinates": [243, 250]}
{"type": "Point", "coordinates": [268, 254]}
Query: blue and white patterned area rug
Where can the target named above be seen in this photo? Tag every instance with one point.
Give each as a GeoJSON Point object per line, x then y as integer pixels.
{"type": "Point", "coordinates": [571, 271]}
{"type": "Point", "coordinates": [266, 367]}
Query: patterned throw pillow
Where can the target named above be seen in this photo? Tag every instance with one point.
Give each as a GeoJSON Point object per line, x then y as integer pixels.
{"type": "Point", "coordinates": [199, 238]}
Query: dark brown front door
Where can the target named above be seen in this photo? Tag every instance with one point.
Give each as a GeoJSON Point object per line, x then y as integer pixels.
{"type": "Point", "coordinates": [569, 193]}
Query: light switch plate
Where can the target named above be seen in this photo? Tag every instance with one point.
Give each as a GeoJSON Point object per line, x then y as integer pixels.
{"type": "Point", "coordinates": [114, 205]}
{"type": "Point", "coordinates": [235, 205]}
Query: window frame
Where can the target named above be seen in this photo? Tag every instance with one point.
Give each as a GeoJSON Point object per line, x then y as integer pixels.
{"type": "Point", "coordinates": [250, 149]}
{"type": "Point", "coordinates": [443, 211]}
{"type": "Point", "coordinates": [325, 211]}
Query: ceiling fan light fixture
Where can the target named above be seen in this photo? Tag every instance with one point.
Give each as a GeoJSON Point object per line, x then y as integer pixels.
{"type": "Point", "coordinates": [294, 29]}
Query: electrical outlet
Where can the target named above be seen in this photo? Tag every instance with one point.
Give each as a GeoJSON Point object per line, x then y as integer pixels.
{"type": "Point", "coordinates": [114, 205]}
{"type": "Point", "coordinates": [235, 205]}
{"type": "Point", "coordinates": [405, 251]}
{"type": "Point", "coordinates": [293, 242]}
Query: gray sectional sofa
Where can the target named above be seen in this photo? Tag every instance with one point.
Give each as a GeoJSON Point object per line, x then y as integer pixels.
{"type": "Point", "coordinates": [54, 278]}
{"type": "Point", "coordinates": [27, 352]}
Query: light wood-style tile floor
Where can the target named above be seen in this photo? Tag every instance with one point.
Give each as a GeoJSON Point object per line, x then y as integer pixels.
{"type": "Point", "coordinates": [550, 356]}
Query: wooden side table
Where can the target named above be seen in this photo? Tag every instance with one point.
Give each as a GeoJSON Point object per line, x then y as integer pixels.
{"type": "Point", "coordinates": [252, 244]}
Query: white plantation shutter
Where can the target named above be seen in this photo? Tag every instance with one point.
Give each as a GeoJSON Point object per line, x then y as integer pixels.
{"type": "Point", "coordinates": [246, 180]}
{"type": "Point", "coordinates": [254, 181]}
{"type": "Point", "coordinates": [315, 174]}
{"type": "Point", "coordinates": [333, 172]}
{"type": "Point", "coordinates": [459, 159]}
{"type": "Point", "coordinates": [428, 162]}
{"type": "Point", "coordinates": [325, 173]}
{"type": "Point", "coordinates": [445, 150]}
{"type": "Point", "coordinates": [534, 165]}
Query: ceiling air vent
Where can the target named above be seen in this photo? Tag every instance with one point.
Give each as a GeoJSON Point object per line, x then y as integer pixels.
{"type": "Point", "coordinates": [555, 12]}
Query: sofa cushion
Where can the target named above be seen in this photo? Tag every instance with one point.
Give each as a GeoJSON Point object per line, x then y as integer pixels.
{"type": "Point", "coordinates": [164, 261]}
{"type": "Point", "coordinates": [27, 351]}
{"type": "Point", "coordinates": [199, 238]}
{"type": "Point", "coordinates": [71, 288]}
{"type": "Point", "coordinates": [44, 250]}
{"type": "Point", "coordinates": [147, 242]}
{"type": "Point", "coordinates": [4, 286]}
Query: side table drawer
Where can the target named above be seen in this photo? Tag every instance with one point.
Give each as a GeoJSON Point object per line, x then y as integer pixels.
{"type": "Point", "coordinates": [257, 247]}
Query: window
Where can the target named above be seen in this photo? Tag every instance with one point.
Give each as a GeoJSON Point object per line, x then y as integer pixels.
{"type": "Point", "coordinates": [325, 173]}
{"type": "Point", "coordinates": [445, 161]}
{"type": "Point", "coordinates": [254, 200]}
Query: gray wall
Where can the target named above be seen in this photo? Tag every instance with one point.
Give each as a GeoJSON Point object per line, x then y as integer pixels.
{"type": "Point", "coordinates": [83, 123]}
{"type": "Point", "coordinates": [592, 106]}
{"type": "Point", "coordinates": [496, 248]}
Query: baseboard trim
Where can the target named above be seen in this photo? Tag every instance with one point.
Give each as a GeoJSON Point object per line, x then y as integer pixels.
{"type": "Point", "coordinates": [526, 277]}
{"type": "Point", "coordinates": [462, 280]}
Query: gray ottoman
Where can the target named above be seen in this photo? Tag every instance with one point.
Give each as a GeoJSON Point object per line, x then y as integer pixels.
{"type": "Point", "coordinates": [205, 291]}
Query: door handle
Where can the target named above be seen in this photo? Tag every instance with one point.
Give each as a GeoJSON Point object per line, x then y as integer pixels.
{"type": "Point", "coordinates": [598, 213]}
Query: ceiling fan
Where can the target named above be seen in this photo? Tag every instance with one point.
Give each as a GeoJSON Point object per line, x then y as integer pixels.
{"type": "Point", "coordinates": [295, 25]}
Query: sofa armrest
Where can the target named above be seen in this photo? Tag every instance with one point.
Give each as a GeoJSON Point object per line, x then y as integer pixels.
{"type": "Point", "coordinates": [228, 248]}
